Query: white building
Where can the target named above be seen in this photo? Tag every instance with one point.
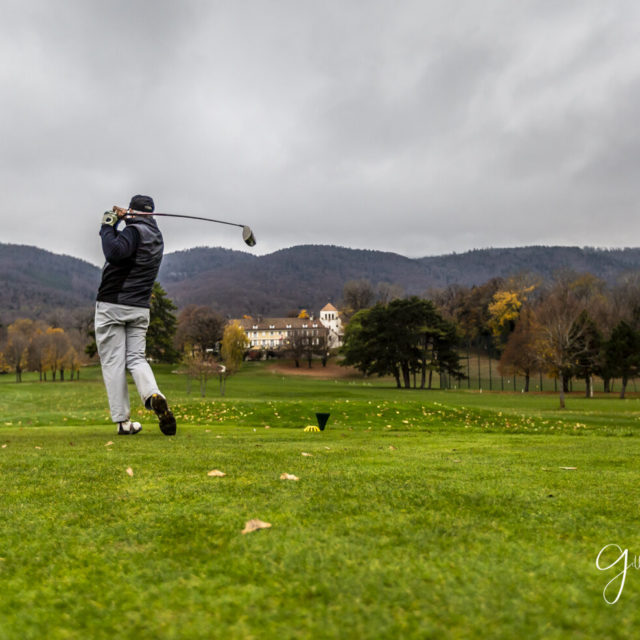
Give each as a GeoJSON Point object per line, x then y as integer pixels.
{"type": "Point", "coordinates": [330, 318]}
{"type": "Point", "coordinates": [278, 333]}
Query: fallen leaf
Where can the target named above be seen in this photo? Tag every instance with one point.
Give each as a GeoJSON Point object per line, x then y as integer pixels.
{"type": "Point", "coordinates": [4, 446]}
{"type": "Point", "coordinates": [109, 443]}
{"type": "Point", "coordinates": [255, 525]}
{"type": "Point", "coordinates": [266, 426]}
{"type": "Point", "coordinates": [392, 447]}
{"type": "Point", "coordinates": [307, 455]}
{"type": "Point", "coordinates": [216, 473]}
{"type": "Point", "coordinates": [38, 447]}
{"type": "Point", "coordinates": [288, 476]}
{"type": "Point", "coordinates": [130, 471]}
{"type": "Point", "coordinates": [328, 448]}
{"type": "Point", "coordinates": [569, 468]}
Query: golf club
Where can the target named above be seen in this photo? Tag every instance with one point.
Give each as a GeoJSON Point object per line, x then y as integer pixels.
{"type": "Point", "coordinates": [247, 234]}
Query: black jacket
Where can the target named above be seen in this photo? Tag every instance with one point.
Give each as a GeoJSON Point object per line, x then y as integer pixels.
{"type": "Point", "coordinates": [133, 260]}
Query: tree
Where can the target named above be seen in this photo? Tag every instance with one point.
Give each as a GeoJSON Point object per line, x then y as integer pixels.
{"type": "Point", "coordinates": [369, 344]}
{"type": "Point", "coordinates": [504, 309]}
{"type": "Point", "coordinates": [16, 348]}
{"type": "Point", "coordinates": [199, 328]}
{"type": "Point", "coordinates": [321, 346]}
{"type": "Point", "coordinates": [386, 292]}
{"type": "Point", "coordinates": [559, 337]}
{"type": "Point", "coordinates": [588, 345]}
{"type": "Point", "coordinates": [358, 335]}
{"type": "Point", "coordinates": [232, 350]}
{"type": "Point", "coordinates": [200, 366]}
{"type": "Point", "coordinates": [622, 353]}
{"type": "Point", "coordinates": [56, 351]}
{"type": "Point", "coordinates": [37, 351]}
{"type": "Point", "coordinates": [520, 356]}
{"type": "Point", "coordinates": [162, 327]}
{"type": "Point", "coordinates": [295, 346]}
{"type": "Point", "coordinates": [402, 339]}
{"type": "Point", "coordinates": [433, 341]}
{"type": "Point", "coordinates": [356, 295]}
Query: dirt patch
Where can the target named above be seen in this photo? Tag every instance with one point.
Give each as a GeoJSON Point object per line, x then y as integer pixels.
{"type": "Point", "coordinates": [331, 371]}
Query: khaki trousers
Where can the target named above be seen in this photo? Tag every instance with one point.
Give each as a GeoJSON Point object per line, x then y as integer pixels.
{"type": "Point", "coordinates": [121, 337]}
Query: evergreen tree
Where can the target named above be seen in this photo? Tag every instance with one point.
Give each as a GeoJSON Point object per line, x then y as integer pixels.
{"type": "Point", "coordinates": [162, 327]}
{"type": "Point", "coordinates": [622, 353]}
{"type": "Point", "coordinates": [402, 339]}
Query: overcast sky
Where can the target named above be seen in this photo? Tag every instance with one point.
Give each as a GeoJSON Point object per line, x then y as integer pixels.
{"type": "Point", "coordinates": [420, 127]}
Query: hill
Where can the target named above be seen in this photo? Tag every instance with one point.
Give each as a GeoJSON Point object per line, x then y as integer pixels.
{"type": "Point", "coordinates": [35, 282]}
{"type": "Point", "coordinates": [308, 276]}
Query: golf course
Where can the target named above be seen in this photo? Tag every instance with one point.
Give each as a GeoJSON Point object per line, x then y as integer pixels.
{"type": "Point", "coordinates": [413, 514]}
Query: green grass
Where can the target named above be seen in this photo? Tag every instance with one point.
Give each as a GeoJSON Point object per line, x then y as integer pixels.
{"type": "Point", "coordinates": [418, 514]}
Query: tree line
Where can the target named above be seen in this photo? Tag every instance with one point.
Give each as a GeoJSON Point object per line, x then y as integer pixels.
{"type": "Point", "coordinates": [31, 345]}
{"type": "Point", "coordinates": [574, 326]}
{"type": "Point", "coordinates": [194, 337]}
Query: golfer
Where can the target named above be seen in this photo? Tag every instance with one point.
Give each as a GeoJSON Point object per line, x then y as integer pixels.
{"type": "Point", "coordinates": [133, 257]}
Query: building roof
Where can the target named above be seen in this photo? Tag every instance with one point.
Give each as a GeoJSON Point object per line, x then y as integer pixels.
{"type": "Point", "coordinates": [250, 324]}
{"type": "Point", "coordinates": [328, 307]}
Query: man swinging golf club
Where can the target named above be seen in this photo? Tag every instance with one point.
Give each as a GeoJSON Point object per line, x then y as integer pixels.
{"type": "Point", "coordinates": [133, 257]}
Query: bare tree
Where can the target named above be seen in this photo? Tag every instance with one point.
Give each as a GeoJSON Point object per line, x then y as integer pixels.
{"type": "Point", "coordinates": [560, 336]}
{"type": "Point", "coordinates": [357, 295]}
{"type": "Point", "coordinates": [199, 328]}
{"type": "Point", "coordinates": [201, 367]}
{"type": "Point", "coordinates": [387, 292]}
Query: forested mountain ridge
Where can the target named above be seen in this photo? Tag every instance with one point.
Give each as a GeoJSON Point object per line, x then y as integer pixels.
{"type": "Point", "coordinates": [310, 275]}
{"type": "Point", "coordinates": [33, 282]}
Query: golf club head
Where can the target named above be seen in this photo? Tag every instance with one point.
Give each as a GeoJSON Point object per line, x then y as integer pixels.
{"type": "Point", "coordinates": [248, 237]}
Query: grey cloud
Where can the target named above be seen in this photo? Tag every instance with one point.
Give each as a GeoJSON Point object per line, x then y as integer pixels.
{"type": "Point", "coordinates": [416, 127]}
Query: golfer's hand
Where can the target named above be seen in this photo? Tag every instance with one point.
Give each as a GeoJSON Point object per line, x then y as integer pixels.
{"type": "Point", "coordinates": [119, 211]}
{"type": "Point", "coordinates": [110, 218]}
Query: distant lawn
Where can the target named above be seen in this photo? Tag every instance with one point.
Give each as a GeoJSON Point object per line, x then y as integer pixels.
{"type": "Point", "coordinates": [417, 514]}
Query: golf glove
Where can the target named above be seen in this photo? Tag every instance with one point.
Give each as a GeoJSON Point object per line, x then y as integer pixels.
{"type": "Point", "coordinates": [109, 218]}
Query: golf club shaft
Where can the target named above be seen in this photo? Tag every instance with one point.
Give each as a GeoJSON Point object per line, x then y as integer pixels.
{"type": "Point", "coordinates": [181, 215]}
{"type": "Point", "coordinates": [247, 234]}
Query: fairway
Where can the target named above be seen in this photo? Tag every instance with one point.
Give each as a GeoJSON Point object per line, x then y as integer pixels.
{"type": "Point", "coordinates": [415, 514]}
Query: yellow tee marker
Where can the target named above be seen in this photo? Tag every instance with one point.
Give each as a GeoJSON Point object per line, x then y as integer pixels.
{"type": "Point", "coordinates": [312, 427]}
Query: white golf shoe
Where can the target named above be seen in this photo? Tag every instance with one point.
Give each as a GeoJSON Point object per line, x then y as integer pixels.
{"type": "Point", "coordinates": [128, 428]}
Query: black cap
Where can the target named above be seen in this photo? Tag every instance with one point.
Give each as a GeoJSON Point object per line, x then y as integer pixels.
{"type": "Point", "coordinates": [142, 203]}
